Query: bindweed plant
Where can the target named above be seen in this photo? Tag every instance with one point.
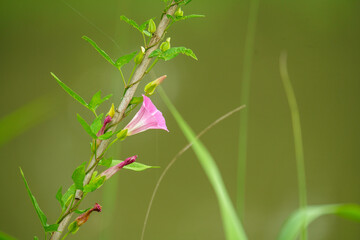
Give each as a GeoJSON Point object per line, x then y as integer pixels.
{"type": "Point", "coordinates": [103, 127]}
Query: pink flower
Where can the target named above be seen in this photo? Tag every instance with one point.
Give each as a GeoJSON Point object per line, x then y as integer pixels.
{"type": "Point", "coordinates": [148, 117]}
{"type": "Point", "coordinates": [111, 171]}
{"type": "Point", "coordinates": [80, 220]}
{"type": "Point", "coordinates": [102, 130]}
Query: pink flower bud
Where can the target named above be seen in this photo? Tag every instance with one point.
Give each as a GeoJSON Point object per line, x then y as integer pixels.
{"type": "Point", "coordinates": [80, 220]}
{"type": "Point", "coordinates": [112, 170]}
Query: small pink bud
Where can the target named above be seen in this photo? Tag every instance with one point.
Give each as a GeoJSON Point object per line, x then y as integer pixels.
{"type": "Point", "coordinates": [112, 170]}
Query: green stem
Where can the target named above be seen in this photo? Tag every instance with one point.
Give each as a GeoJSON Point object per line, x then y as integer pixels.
{"type": "Point", "coordinates": [65, 235]}
{"type": "Point", "coordinates": [152, 65]}
{"type": "Point", "coordinates": [122, 76]}
{"type": "Point", "coordinates": [299, 151]}
{"type": "Point", "coordinates": [245, 99]}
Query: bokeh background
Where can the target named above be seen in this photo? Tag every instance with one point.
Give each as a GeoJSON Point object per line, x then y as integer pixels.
{"type": "Point", "coordinates": [322, 40]}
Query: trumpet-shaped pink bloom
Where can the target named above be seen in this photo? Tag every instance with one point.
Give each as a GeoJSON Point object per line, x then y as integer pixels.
{"type": "Point", "coordinates": [80, 220]}
{"type": "Point", "coordinates": [148, 117]}
{"type": "Point", "coordinates": [112, 170]}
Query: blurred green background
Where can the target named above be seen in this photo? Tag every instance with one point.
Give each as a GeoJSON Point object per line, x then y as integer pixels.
{"type": "Point", "coordinates": [322, 40]}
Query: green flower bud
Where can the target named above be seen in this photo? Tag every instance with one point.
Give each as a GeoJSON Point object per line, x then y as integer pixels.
{"type": "Point", "coordinates": [122, 134]}
{"type": "Point", "coordinates": [179, 13]}
{"type": "Point", "coordinates": [151, 86]}
{"type": "Point", "coordinates": [152, 26]}
{"type": "Point", "coordinates": [165, 45]}
{"type": "Point", "coordinates": [138, 59]}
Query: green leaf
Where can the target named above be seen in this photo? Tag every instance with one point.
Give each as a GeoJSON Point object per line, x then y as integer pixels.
{"type": "Point", "coordinates": [39, 212]}
{"type": "Point", "coordinates": [97, 124]}
{"type": "Point", "coordinates": [125, 59]}
{"type": "Point", "coordinates": [36, 238]}
{"type": "Point", "coordinates": [232, 226]}
{"type": "Point", "coordinates": [106, 162]}
{"type": "Point", "coordinates": [138, 167]}
{"type": "Point", "coordinates": [131, 22]}
{"type": "Point", "coordinates": [136, 100]}
{"type": "Point", "coordinates": [189, 16]}
{"type": "Point", "coordinates": [68, 195]}
{"type": "Point", "coordinates": [135, 166]}
{"type": "Point", "coordinates": [106, 135]}
{"type": "Point", "coordinates": [147, 33]}
{"type": "Point", "coordinates": [173, 52]}
{"type": "Point", "coordinates": [79, 176]}
{"type": "Point", "coordinates": [86, 126]}
{"type": "Point", "coordinates": [70, 92]}
{"type": "Point", "coordinates": [51, 228]}
{"type": "Point", "coordinates": [73, 227]}
{"type": "Point", "coordinates": [94, 184]}
{"type": "Point", "coordinates": [303, 217]}
{"type": "Point", "coordinates": [155, 53]}
{"type": "Point", "coordinates": [143, 26]}
{"type": "Point", "coordinates": [102, 52]}
{"type": "Point", "coordinates": [59, 197]}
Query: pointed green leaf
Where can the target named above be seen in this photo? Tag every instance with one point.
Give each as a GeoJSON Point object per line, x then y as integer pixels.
{"type": "Point", "coordinates": [173, 52]}
{"type": "Point", "coordinates": [135, 166]}
{"type": "Point", "coordinates": [97, 124]}
{"type": "Point", "coordinates": [125, 59]}
{"type": "Point", "coordinates": [59, 197]}
{"type": "Point", "coordinates": [102, 52]}
{"type": "Point", "coordinates": [155, 53]}
{"type": "Point", "coordinates": [106, 135]}
{"type": "Point", "coordinates": [86, 126]}
{"type": "Point", "coordinates": [95, 100]}
{"type": "Point", "coordinates": [131, 22]}
{"type": "Point", "coordinates": [143, 26]}
{"type": "Point", "coordinates": [68, 195]}
{"type": "Point", "coordinates": [39, 212]}
{"type": "Point", "coordinates": [303, 217]}
{"type": "Point", "coordinates": [94, 184]}
{"type": "Point", "coordinates": [69, 91]}
{"type": "Point", "coordinates": [189, 16]}
{"type": "Point", "coordinates": [73, 227]}
{"type": "Point", "coordinates": [146, 33]}
{"type": "Point", "coordinates": [51, 228]}
{"type": "Point", "coordinates": [79, 176]}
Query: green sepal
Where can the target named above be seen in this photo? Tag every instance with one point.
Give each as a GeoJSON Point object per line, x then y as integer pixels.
{"type": "Point", "coordinates": [86, 126]}
{"type": "Point", "coordinates": [70, 92]}
{"type": "Point", "coordinates": [67, 196]}
{"type": "Point", "coordinates": [125, 59]}
{"type": "Point", "coordinates": [73, 227]}
{"type": "Point", "coordinates": [102, 52]}
{"type": "Point", "coordinates": [36, 238]}
{"type": "Point", "coordinates": [81, 211]}
{"type": "Point", "coordinates": [106, 135]}
{"type": "Point", "coordinates": [122, 135]}
{"type": "Point", "coordinates": [78, 176]}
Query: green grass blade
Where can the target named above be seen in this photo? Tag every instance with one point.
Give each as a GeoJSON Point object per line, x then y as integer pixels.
{"type": "Point", "coordinates": [4, 236]}
{"type": "Point", "coordinates": [26, 117]}
{"type": "Point", "coordinates": [245, 98]}
{"type": "Point", "coordinates": [304, 216]}
{"type": "Point", "coordinates": [295, 117]}
{"type": "Point", "coordinates": [76, 96]}
{"type": "Point", "coordinates": [232, 226]}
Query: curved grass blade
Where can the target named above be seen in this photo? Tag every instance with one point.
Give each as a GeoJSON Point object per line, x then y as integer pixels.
{"type": "Point", "coordinates": [304, 216]}
{"type": "Point", "coordinates": [232, 226]}
{"type": "Point", "coordinates": [5, 236]}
